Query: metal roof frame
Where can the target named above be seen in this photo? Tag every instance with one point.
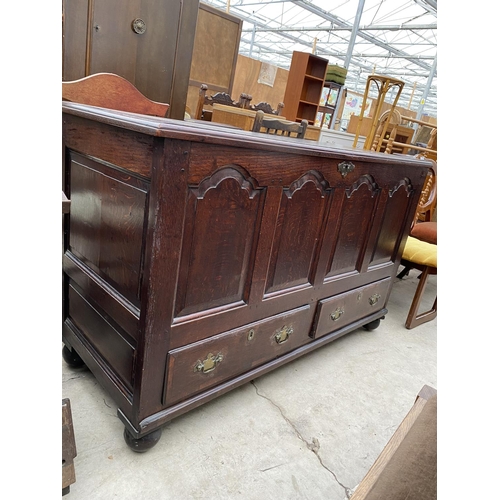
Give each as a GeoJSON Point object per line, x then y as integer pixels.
{"type": "Point", "coordinates": [397, 38]}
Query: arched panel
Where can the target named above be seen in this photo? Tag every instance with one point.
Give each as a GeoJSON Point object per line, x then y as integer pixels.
{"type": "Point", "coordinates": [298, 232]}
{"type": "Point", "coordinates": [359, 205]}
{"type": "Point", "coordinates": [389, 236]}
{"type": "Point", "coordinates": [220, 235]}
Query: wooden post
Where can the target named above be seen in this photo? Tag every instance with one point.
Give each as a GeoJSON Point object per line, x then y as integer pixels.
{"type": "Point", "coordinates": [412, 92]}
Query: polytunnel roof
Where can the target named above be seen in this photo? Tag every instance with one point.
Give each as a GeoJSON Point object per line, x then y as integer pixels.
{"type": "Point", "coordinates": [396, 38]}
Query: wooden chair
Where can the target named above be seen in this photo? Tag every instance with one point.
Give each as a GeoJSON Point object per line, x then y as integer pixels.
{"type": "Point", "coordinates": [429, 151]}
{"type": "Point", "coordinates": [276, 126]}
{"type": "Point", "coordinates": [219, 98]}
{"type": "Point", "coordinates": [267, 108]}
{"type": "Point", "coordinates": [420, 251]}
{"type": "Point", "coordinates": [383, 85]}
{"type": "Point", "coordinates": [394, 119]}
{"type": "Point", "coordinates": [111, 91]}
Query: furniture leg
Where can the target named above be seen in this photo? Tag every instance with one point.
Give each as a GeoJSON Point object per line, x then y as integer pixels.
{"type": "Point", "coordinates": [144, 443]}
{"type": "Point", "coordinates": [414, 319]}
{"type": "Point", "coordinates": [68, 447]}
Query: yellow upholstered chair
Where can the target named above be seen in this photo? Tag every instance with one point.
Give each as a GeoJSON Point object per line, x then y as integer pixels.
{"type": "Point", "coordinates": [420, 255]}
{"type": "Point", "coordinates": [420, 251]}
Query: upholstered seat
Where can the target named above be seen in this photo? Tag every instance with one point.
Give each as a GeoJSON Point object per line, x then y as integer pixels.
{"type": "Point", "coordinates": [420, 255]}
{"type": "Point", "coordinates": [425, 231]}
{"type": "Point", "coordinates": [420, 251]}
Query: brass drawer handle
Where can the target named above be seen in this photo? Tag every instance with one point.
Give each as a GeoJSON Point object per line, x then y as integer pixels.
{"type": "Point", "coordinates": [337, 313]}
{"type": "Point", "coordinates": [374, 299]}
{"type": "Point", "coordinates": [208, 364]}
{"type": "Point", "coordinates": [283, 335]}
{"type": "Point", "coordinates": [251, 334]}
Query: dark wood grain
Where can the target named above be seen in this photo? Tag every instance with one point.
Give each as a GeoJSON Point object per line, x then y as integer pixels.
{"type": "Point", "coordinates": [184, 237]}
{"type": "Point", "coordinates": [98, 38]}
{"type": "Point", "coordinates": [240, 350]}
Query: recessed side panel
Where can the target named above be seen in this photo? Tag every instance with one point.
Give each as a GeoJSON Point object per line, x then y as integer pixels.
{"type": "Point", "coordinates": [108, 342]}
{"type": "Point", "coordinates": [106, 222]}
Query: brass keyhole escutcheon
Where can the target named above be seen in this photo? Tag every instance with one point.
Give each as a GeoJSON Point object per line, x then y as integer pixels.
{"type": "Point", "coordinates": [374, 299]}
{"type": "Point", "coordinates": [251, 334]}
{"type": "Point", "coordinates": [337, 313]}
{"type": "Point", "coordinates": [283, 335]}
{"type": "Point", "coordinates": [345, 167]}
{"type": "Point", "coordinates": [208, 364]}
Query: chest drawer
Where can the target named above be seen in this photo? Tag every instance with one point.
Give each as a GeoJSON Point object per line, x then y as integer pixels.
{"type": "Point", "coordinates": [199, 366]}
{"type": "Point", "coordinates": [344, 308]}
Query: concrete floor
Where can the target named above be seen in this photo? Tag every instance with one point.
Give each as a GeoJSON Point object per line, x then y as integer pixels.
{"type": "Point", "coordinates": [308, 430]}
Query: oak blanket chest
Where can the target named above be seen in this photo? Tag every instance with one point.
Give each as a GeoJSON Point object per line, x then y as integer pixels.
{"type": "Point", "coordinates": [198, 257]}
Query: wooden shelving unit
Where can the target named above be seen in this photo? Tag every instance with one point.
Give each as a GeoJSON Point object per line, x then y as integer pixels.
{"type": "Point", "coordinates": [304, 87]}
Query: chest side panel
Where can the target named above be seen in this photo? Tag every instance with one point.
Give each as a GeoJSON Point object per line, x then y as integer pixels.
{"type": "Point", "coordinates": [106, 225]}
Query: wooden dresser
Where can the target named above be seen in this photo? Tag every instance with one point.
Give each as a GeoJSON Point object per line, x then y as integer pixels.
{"type": "Point", "coordinates": [199, 257]}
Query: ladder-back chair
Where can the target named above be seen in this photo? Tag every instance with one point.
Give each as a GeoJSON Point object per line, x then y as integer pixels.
{"type": "Point", "coordinates": [277, 126]}
{"type": "Point", "coordinates": [267, 108]}
{"type": "Point", "coordinates": [219, 98]}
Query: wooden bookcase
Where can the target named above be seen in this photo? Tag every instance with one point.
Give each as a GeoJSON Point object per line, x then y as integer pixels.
{"type": "Point", "coordinates": [304, 87]}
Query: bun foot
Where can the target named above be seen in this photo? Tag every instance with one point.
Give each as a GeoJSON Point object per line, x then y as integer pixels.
{"type": "Point", "coordinates": [372, 325]}
{"type": "Point", "coordinates": [145, 443]}
{"type": "Point", "coordinates": [72, 358]}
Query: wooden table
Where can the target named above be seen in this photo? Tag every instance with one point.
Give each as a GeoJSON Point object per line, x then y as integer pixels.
{"type": "Point", "coordinates": [244, 118]}
{"type": "Point", "coordinates": [237, 117]}
{"type": "Point", "coordinates": [197, 258]}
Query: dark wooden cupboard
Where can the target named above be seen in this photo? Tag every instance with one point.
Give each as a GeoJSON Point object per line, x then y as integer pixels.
{"type": "Point", "coordinates": [198, 257]}
{"type": "Point", "coordinates": [148, 42]}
